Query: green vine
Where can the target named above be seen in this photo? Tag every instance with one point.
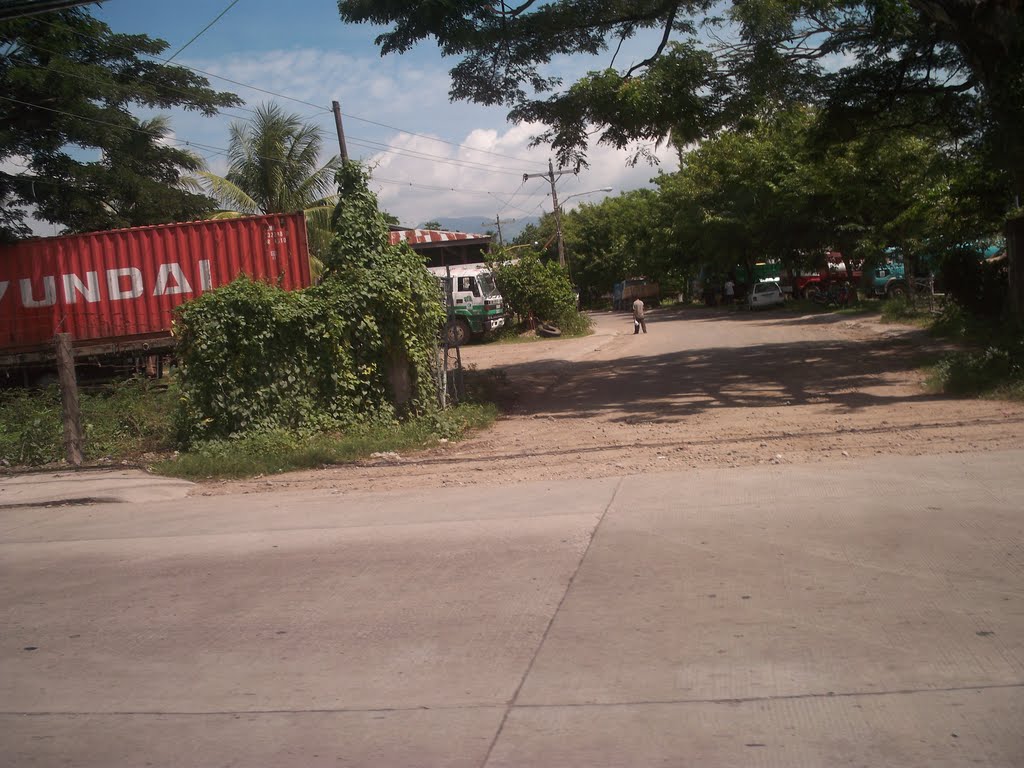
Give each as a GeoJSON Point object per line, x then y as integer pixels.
{"type": "Point", "coordinates": [356, 347]}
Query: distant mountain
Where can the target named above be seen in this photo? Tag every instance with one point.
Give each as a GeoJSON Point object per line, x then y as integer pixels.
{"type": "Point", "coordinates": [477, 225]}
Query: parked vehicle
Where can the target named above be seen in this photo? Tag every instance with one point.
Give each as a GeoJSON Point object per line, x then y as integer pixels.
{"type": "Point", "coordinates": [477, 306]}
{"type": "Point", "coordinates": [807, 281]}
{"type": "Point", "coordinates": [834, 294]}
{"type": "Point", "coordinates": [889, 281]}
{"type": "Point", "coordinates": [115, 291]}
{"type": "Point", "coordinates": [767, 294]}
{"type": "Point", "coordinates": [631, 289]}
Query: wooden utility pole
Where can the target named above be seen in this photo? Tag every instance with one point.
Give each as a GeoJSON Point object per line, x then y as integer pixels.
{"type": "Point", "coordinates": [497, 223]}
{"type": "Point", "coordinates": [341, 131]}
{"type": "Point", "coordinates": [70, 412]}
{"type": "Point", "coordinates": [551, 175]}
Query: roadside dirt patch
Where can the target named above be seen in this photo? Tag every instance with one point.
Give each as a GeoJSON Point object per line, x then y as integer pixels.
{"type": "Point", "coordinates": [703, 388]}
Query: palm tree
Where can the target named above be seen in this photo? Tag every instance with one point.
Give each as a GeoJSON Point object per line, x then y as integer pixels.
{"type": "Point", "coordinates": [273, 167]}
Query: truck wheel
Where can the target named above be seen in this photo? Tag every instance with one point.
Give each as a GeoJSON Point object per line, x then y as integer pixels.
{"type": "Point", "coordinates": [459, 332]}
{"type": "Point", "coordinates": [896, 291]}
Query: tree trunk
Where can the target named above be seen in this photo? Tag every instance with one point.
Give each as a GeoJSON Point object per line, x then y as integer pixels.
{"type": "Point", "coordinates": [1015, 260]}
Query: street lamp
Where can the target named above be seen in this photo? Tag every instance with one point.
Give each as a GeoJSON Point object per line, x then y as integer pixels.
{"type": "Point", "coordinates": [558, 219]}
{"type": "Point", "coordinates": [591, 192]}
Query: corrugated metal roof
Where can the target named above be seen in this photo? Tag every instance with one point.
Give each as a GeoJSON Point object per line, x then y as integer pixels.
{"type": "Point", "coordinates": [417, 236]}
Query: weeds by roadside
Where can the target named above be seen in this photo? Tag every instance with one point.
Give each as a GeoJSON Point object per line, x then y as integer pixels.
{"type": "Point", "coordinates": [133, 420]}
{"type": "Point", "coordinates": [901, 310]}
{"type": "Point", "coordinates": [573, 327]}
{"type": "Point", "coordinates": [281, 451]}
{"type": "Point", "coordinates": [991, 366]}
{"type": "Point", "coordinates": [122, 421]}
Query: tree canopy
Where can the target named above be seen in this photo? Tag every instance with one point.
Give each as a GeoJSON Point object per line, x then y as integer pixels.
{"type": "Point", "coordinates": [716, 65]}
{"type": "Point", "coordinates": [68, 87]}
{"type": "Point", "coordinates": [912, 67]}
{"type": "Point", "coordinates": [771, 193]}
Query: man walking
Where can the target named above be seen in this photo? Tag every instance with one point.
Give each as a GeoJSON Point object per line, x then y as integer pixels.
{"type": "Point", "coordinates": [638, 316]}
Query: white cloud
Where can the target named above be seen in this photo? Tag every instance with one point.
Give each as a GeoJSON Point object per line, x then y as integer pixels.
{"type": "Point", "coordinates": [459, 180]}
{"type": "Point", "coordinates": [416, 188]}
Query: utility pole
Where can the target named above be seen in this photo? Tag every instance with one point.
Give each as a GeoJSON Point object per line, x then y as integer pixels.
{"type": "Point", "coordinates": [551, 175]}
{"type": "Point", "coordinates": [341, 131]}
{"type": "Point", "coordinates": [497, 223]}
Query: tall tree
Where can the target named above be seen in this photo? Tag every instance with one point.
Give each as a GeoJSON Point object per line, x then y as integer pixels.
{"type": "Point", "coordinates": [274, 167]}
{"type": "Point", "coordinates": [893, 64]}
{"type": "Point", "coordinates": [68, 87]}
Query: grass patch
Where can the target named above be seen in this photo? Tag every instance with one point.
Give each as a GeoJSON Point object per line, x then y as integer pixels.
{"type": "Point", "coordinates": [133, 420]}
{"type": "Point", "coordinates": [122, 422]}
{"type": "Point", "coordinates": [278, 451]}
{"type": "Point", "coordinates": [997, 371]}
{"type": "Point", "coordinates": [900, 310]}
{"type": "Point", "coordinates": [575, 327]}
{"type": "Point", "coordinates": [991, 366]}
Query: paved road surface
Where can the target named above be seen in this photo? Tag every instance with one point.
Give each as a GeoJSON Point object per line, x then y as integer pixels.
{"type": "Point", "coordinates": [869, 613]}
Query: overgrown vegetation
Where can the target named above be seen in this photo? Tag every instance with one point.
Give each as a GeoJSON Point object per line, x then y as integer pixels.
{"type": "Point", "coordinates": [540, 290]}
{"type": "Point", "coordinates": [124, 421]}
{"type": "Point", "coordinates": [992, 365]}
{"type": "Point", "coordinates": [272, 380]}
{"type": "Point", "coordinates": [902, 310]}
{"type": "Point", "coordinates": [357, 347]}
{"type": "Point", "coordinates": [133, 421]}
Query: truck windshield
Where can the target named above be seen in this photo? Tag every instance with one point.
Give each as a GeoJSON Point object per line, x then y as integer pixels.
{"type": "Point", "coordinates": [486, 281]}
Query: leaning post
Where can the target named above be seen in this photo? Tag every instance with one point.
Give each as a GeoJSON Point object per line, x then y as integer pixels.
{"type": "Point", "coordinates": [70, 413]}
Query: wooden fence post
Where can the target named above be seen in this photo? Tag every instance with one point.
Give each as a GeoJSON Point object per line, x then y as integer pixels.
{"type": "Point", "coordinates": [70, 412]}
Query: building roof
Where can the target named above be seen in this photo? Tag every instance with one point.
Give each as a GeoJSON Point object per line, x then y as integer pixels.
{"type": "Point", "coordinates": [420, 236]}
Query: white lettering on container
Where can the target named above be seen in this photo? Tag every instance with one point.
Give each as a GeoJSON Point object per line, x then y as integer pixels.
{"type": "Point", "coordinates": [168, 271]}
{"type": "Point", "coordinates": [205, 278]}
{"type": "Point", "coordinates": [28, 300]}
{"type": "Point", "coordinates": [114, 277]}
{"type": "Point", "coordinates": [90, 289]}
{"type": "Point", "coordinates": [3, 288]}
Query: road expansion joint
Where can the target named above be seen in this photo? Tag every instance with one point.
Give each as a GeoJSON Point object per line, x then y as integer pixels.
{"type": "Point", "coordinates": [540, 644]}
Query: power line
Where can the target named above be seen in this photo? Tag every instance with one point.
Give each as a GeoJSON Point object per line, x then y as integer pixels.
{"type": "Point", "coordinates": [200, 32]}
{"type": "Point", "coordinates": [367, 143]}
{"type": "Point", "coordinates": [417, 155]}
{"type": "Point", "coordinates": [318, 107]}
{"type": "Point", "coordinates": [166, 87]}
{"type": "Point", "coordinates": [320, 110]}
{"type": "Point", "coordinates": [431, 187]}
{"type": "Point", "coordinates": [222, 150]}
{"type": "Point", "coordinates": [17, 10]}
{"type": "Point", "coordinates": [443, 141]}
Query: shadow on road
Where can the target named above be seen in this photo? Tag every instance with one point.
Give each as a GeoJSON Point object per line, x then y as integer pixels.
{"type": "Point", "coordinates": [850, 375]}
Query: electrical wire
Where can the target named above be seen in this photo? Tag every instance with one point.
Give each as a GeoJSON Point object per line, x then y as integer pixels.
{"type": "Point", "coordinates": [388, 149]}
{"type": "Point", "coordinates": [222, 150]}
{"type": "Point", "coordinates": [443, 141]}
{"type": "Point", "coordinates": [200, 32]}
{"type": "Point", "coordinates": [319, 109]}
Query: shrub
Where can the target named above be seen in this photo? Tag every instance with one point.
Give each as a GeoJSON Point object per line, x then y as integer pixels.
{"type": "Point", "coordinates": [30, 427]}
{"type": "Point", "coordinates": [997, 369]}
{"type": "Point", "coordinates": [358, 346]}
{"type": "Point", "coordinates": [542, 290]}
{"type": "Point", "coordinates": [121, 420]}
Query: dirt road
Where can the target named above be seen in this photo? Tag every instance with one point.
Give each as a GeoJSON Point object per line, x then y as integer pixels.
{"type": "Point", "coordinates": [701, 389]}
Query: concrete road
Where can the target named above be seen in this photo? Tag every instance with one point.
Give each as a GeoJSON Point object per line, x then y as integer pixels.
{"type": "Point", "coordinates": [869, 614]}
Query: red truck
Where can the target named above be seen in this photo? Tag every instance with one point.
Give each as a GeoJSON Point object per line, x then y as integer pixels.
{"type": "Point", "coordinates": [835, 270]}
{"type": "Point", "coordinates": [115, 291]}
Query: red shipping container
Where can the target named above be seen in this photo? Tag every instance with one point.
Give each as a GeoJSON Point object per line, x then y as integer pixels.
{"type": "Point", "coordinates": [124, 284]}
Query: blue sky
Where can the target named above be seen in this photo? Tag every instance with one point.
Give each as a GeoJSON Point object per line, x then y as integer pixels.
{"type": "Point", "coordinates": [302, 49]}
